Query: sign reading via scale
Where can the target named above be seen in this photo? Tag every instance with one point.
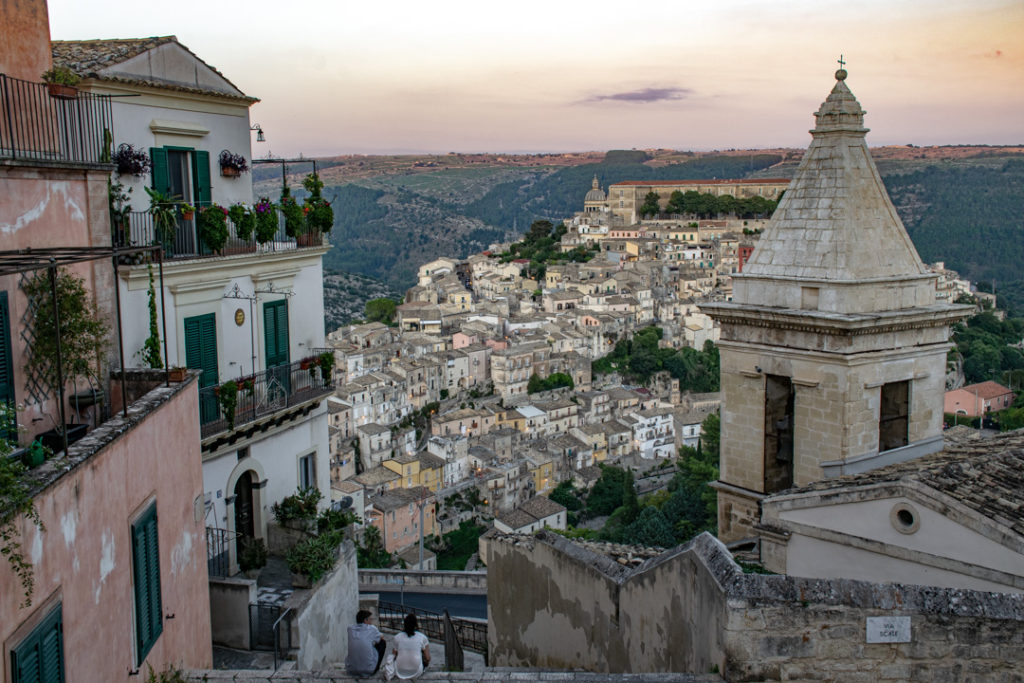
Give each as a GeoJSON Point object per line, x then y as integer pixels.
{"type": "Point", "coordinates": [888, 629]}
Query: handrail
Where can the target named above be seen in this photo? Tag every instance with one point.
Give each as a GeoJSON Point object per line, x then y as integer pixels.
{"type": "Point", "coordinates": [277, 635]}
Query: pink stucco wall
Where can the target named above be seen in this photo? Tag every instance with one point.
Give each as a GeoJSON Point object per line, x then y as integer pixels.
{"type": "Point", "coordinates": [58, 207]}
{"type": "Point", "coordinates": [83, 558]}
{"type": "Point", "coordinates": [25, 48]}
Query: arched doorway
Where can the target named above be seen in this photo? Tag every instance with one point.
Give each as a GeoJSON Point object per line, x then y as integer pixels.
{"type": "Point", "coordinates": [245, 523]}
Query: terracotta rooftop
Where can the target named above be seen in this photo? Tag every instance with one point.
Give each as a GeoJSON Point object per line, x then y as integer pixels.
{"type": "Point", "coordinates": [987, 389]}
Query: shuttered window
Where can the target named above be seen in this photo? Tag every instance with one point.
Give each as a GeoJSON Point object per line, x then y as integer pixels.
{"type": "Point", "coordinates": [161, 177]}
{"type": "Point", "coordinates": [40, 657]}
{"type": "Point", "coordinates": [201, 177]}
{"type": "Point", "coordinates": [201, 354]}
{"type": "Point", "coordinates": [202, 190]}
{"type": "Point", "coordinates": [146, 575]}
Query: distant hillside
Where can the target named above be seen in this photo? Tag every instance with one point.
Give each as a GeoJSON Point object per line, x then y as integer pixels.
{"type": "Point", "coordinates": [971, 217]}
{"type": "Point", "coordinates": [961, 204]}
{"type": "Point", "coordinates": [346, 294]}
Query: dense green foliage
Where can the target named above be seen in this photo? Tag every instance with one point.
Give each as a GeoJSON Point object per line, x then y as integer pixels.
{"type": "Point", "coordinates": [380, 310]}
{"type": "Point", "coordinates": [708, 205]}
{"type": "Point", "coordinates": [968, 217]}
{"type": "Point", "coordinates": [639, 358]}
{"type": "Point", "coordinates": [370, 554]}
{"type": "Point", "coordinates": [984, 344]}
{"type": "Point", "coordinates": [555, 380]}
{"type": "Point", "coordinates": [687, 507]}
{"type": "Point", "coordinates": [541, 245]}
{"type": "Point", "coordinates": [456, 547]}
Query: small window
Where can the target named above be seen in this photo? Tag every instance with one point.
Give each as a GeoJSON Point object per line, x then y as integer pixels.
{"type": "Point", "coordinates": [307, 471]}
{"type": "Point", "coordinates": [893, 415]}
{"type": "Point", "coordinates": [149, 622]}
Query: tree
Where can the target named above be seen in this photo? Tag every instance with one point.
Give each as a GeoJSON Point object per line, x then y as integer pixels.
{"type": "Point", "coordinates": [676, 203]}
{"type": "Point", "coordinates": [380, 310]}
{"type": "Point", "coordinates": [606, 495]}
{"type": "Point", "coordinates": [651, 529]}
{"type": "Point", "coordinates": [565, 494]}
{"type": "Point", "coordinates": [650, 206]}
{"type": "Point", "coordinates": [372, 554]}
{"type": "Point", "coordinates": [15, 504]}
{"type": "Point", "coordinates": [539, 230]}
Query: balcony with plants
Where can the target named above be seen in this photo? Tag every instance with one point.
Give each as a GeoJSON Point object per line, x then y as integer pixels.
{"type": "Point", "coordinates": [207, 229]}
{"type": "Point", "coordinates": [236, 403]}
{"type": "Point", "coordinates": [53, 122]}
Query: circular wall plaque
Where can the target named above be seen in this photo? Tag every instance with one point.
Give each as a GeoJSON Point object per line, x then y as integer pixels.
{"type": "Point", "coordinates": [239, 316]}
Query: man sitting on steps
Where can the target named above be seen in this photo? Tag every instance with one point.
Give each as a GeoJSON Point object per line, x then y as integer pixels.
{"type": "Point", "coordinates": [366, 646]}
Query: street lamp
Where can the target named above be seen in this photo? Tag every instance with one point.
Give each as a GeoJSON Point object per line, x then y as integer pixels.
{"type": "Point", "coordinates": [259, 132]}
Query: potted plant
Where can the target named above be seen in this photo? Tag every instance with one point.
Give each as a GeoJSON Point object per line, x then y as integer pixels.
{"type": "Point", "coordinates": [177, 374]}
{"type": "Point", "coordinates": [318, 212]}
{"type": "Point", "coordinates": [266, 220]}
{"type": "Point", "coordinates": [83, 340]}
{"type": "Point", "coordinates": [253, 556]}
{"type": "Point", "coordinates": [131, 161]}
{"type": "Point", "coordinates": [165, 220]}
{"type": "Point", "coordinates": [227, 399]}
{"type": "Point", "coordinates": [61, 82]}
{"type": "Point", "coordinates": [244, 220]}
{"type": "Point", "coordinates": [314, 557]}
{"type": "Point", "coordinates": [294, 216]}
{"type": "Point", "coordinates": [119, 197]}
{"type": "Point", "coordinates": [232, 165]}
{"type": "Point", "coordinates": [325, 361]}
{"type": "Point", "coordinates": [213, 227]}
{"type": "Point", "coordinates": [188, 212]}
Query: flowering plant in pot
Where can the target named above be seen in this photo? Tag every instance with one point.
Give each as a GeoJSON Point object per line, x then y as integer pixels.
{"type": "Point", "coordinates": [232, 165]}
{"type": "Point", "coordinates": [213, 226]}
{"type": "Point", "coordinates": [266, 220]}
{"type": "Point", "coordinates": [319, 214]}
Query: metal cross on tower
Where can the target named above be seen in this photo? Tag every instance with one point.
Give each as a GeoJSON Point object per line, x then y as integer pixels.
{"type": "Point", "coordinates": [842, 64]}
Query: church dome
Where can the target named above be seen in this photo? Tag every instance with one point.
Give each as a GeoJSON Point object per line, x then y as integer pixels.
{"type": "Point", "coordinates": [596, 194]}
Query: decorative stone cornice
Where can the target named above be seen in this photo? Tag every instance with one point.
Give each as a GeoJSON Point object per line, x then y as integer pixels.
{"type": "Point", "coordinates": [835, 324]}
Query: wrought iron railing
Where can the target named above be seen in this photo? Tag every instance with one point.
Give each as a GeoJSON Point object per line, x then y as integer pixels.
{"type": "Point", "coordinates": [217, 550]}
{"type": "Point", "coordinates": [264, 393]}
{"type": "Point", "coordinates": [472, 635]}
{"type": "Point", "coordinates": [39, 126]}
{"type": "Point", "coordinates": [184, 241]}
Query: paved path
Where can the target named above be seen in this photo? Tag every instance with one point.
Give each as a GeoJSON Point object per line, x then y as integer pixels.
{"type": "Point", "coordinates": [496, 674]}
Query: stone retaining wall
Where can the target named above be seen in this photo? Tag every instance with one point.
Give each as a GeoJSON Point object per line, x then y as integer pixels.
{"type": "Point", "coordinates": [557, 604]}
{"type": "Point", "coordinates": [390, 580]}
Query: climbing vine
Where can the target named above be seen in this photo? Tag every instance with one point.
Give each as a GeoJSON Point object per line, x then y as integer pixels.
{"type": "Point", "coordinates": [151, 349]}
{"type": "Point", "coordinates": [15, 503]}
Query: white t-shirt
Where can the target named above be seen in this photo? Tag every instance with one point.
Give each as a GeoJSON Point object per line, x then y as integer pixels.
{"type": "Point", "coordinates": [409, 661]}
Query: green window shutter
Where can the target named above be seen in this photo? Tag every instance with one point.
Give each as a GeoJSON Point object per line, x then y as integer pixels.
{"type": "Point", "coordinates": [275, 332]}
{"type": "Point", "coordinates": [161, 176]}
{"type": "Point", "coordinates": [149, 622]}
{"type": "Point", "coordinates": [40, 657]}
{"type": "Point", "coordinates": [201, 347]}
{"type": "Point", "coordinates": [201, 177]}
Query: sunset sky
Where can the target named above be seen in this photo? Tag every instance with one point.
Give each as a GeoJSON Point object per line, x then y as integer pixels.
{"type": "Point", "coordinates": [338, 77]}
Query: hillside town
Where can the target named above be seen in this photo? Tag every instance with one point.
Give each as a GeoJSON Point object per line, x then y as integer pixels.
{"type": "Point", "coordinates": [196, 473]}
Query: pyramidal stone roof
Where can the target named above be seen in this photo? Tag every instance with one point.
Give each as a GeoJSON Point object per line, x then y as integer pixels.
{"type": "Point", "coordinates": [835, 221]}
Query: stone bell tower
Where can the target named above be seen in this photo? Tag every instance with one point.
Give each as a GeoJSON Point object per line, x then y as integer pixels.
{"type": "Point", "coordinates": [833, 350]}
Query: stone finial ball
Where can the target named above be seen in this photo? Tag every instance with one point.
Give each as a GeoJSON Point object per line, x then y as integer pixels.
{"type": "Point", "coordinates": [841, 75]}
